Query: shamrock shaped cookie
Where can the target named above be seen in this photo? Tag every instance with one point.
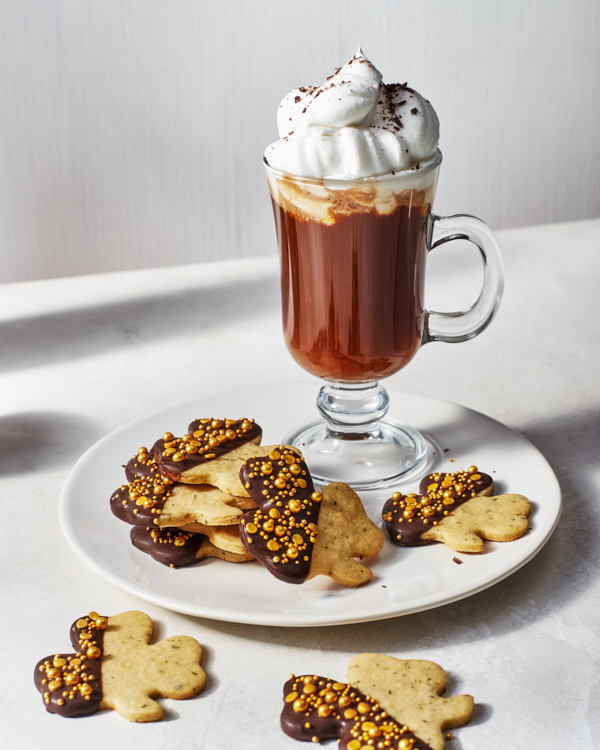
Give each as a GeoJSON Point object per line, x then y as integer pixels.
{"type": "Point", "coordinates": [114, 667]}
{"type": "Point", "coordinates": [386, 703]}
{"type": "Point", "coordinates": [298, 533]}
{"type": "Point", "coordinates": [456, 509]}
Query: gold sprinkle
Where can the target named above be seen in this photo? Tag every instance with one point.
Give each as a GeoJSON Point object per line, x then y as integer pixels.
{"type": "Point", "coordinates": [300, 704]}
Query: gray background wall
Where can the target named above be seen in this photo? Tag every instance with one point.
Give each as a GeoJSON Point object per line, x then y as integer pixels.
{"type": "Point", "coordinates": [131, 131]}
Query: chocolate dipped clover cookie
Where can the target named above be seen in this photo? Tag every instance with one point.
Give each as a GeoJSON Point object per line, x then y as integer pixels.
{"type": "Point", "coordinates": [177, 524]}
{"type": "Point", "coordinates": [298, 533]}
{"type": "Point", "coordinates": [457, 509]}
{"type": "Point", "coordinates": [211, 452]}
{"type": "Point", "coordinates": [385, 703]}
{"type": "Point", "coordinates": [114, 667]}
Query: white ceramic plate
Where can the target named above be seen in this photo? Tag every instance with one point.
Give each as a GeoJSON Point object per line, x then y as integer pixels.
{"type": "Point", "coordinates": [404, 580]}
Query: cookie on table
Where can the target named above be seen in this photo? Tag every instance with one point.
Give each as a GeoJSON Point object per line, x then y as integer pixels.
{"type": "Point", "coordinates": [178, 548]}
{"type": "Point", "coordinates": [458, 510]}
{"type": "Point", "coordinates": [114, 667]}
{"type": "Point", "coordinates": [386, 702]}
{"type": "Point", "coordinates": [298, 533]}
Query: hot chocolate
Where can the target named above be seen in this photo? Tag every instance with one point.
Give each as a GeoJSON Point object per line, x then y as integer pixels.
{"type": "Point", "coordinates": [352, 178]}
{"type": "Point", "coordinates": [352, 181]}
{"type": "Point", "coordinates": [352, 290]}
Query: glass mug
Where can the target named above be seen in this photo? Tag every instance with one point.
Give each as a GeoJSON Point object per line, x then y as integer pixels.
{"type": "Point", "coordinates": [353, 255]}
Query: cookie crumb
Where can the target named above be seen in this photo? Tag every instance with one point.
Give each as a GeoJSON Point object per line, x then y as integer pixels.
{"type": "Point", "coordinates": [457, 561]}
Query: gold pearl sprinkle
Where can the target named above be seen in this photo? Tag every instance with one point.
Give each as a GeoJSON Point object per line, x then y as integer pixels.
{"type": "Point", "coordinates": [300, 705]}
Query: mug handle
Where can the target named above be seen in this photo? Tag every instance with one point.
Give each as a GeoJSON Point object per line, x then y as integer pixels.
{"type": "Point", "coordinates": [460, 326]}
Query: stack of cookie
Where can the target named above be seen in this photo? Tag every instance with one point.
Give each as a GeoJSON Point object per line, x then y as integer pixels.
{"type": "Point", "coordinates": [208, 494]}
{"type": "Point", "coordinates": [184, 497]}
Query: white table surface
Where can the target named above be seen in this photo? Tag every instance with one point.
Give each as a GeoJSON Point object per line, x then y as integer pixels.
{"type": "Point", "coordinates": [80, 357]}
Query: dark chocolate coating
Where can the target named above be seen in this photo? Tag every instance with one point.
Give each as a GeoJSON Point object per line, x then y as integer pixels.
{"type": "Point", "coordinates": [160, 545]}
{"type": "Point", "coordinates": [78, 705]}
{"type": "Point", "coordinates": [142, 465]}
{"type": "Point", "coordinates": [337, 725]}
{"type": "Point", "coordinates": [144, 485]}
{"type": "Point", "coordinates": [479, 485]}
{"type": "Point", "coordinates": [296, 532]}
{"type": "Point", "coordinates": [174, 469]}
{"type": "Point", "coordinates": [410, 529]}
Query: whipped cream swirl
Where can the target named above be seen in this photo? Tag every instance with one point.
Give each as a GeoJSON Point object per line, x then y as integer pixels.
{"type": "Point", "coordinates": [353, 126]}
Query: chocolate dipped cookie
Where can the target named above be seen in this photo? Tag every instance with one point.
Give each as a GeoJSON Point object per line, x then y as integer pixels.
{"type": "Point", "coordinates": [178, 548]}
{"type": "Point", "coordinates": [298, 533]}
{"type": "Point", "coordinates": [211, 452]}
{"type": "Point", "coordinates": [385, 703]}
{"type": "Point", "coordinates": [456, 509]}
{"type": "Point", "coordinates": [114, 667]}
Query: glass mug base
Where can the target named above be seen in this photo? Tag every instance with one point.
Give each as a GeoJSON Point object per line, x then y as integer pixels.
{"type": "Point", "coordinates": [390, 454]}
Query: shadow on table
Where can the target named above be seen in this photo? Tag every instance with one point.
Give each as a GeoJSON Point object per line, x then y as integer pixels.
{"type": "Point", "coordinates": [559, 575]}
{"type": "Point", "coordinates": [31, 441]}
{"type": "Point", "coordinates": [29, 342]}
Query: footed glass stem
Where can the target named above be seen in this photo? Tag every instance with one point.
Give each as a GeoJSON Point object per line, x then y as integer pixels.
{"type": "Point", "coordinates": [355, 444]}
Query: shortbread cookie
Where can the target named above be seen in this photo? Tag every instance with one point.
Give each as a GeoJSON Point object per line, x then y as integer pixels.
{"type": "Point", "coordinates": [191, 458]}
{"type": "Point", "coordinates": [202, 504]}
{"type": "Point", "coordinates": [178, 548]}
{"type": "Point", "coordinates": [298, 533]}
{"type": "Point", "coordinates": [386, 702]}
{"type": "Point", "coordinates": [500, 519]}
{"type": "Point", "coordinates": [407, 517]}
{"type": "Point", "coordinates": [115, 668]}
{"type": "Point", "coordinates": [208, 549]}
{"type": "Point", "coordinates": [151, 499]}
{"type": "Point", "coordinates": [223, 537]}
